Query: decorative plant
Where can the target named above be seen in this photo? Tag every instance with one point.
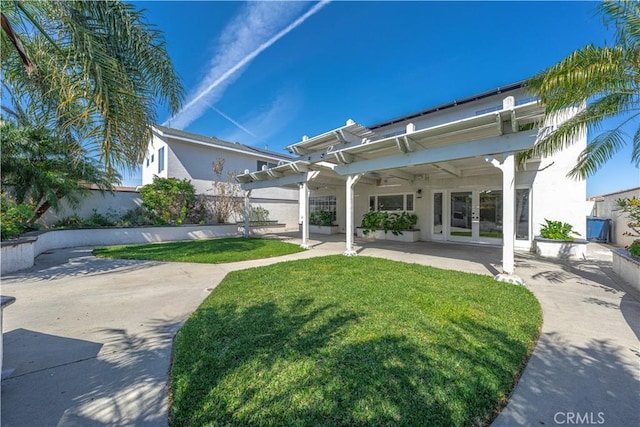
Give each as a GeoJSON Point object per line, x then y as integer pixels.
{"type": "Point", "coordinates": [259, 215]}
{"type": "Point", "coordinates": [557, 230]}
{"type": "Point", "coordinates": [631, 206]}
{"type": "Point", "coordinates": [373, 220]}
{"type": "Point", "coordinates": [394, 222]}
{"type": "Point", "coordinates": [634, 248]}
{"type": "Point", "coordinates": [321, 218]}
{"type": "Point", "coordinates": [167, 200]}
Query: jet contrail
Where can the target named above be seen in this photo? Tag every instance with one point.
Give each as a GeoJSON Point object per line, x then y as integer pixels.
{"type": "Point", "coordinates": [244, 61]}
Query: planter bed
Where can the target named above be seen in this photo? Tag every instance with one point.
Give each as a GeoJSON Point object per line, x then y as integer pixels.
{"type": "Point", "coordinates": [406, 236]}
{"type": "Point", "coordinates": [561, 249]}
{"type": "Point", "coordinates": [627, 267]}
{"type": "Point", "coordinates": [324, 229]}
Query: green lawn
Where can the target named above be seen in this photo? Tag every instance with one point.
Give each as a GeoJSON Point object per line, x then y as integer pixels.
{"type": "Point", "coordinates": [352, 341]}
{"type": "Point", "coordinates": [214, 251]}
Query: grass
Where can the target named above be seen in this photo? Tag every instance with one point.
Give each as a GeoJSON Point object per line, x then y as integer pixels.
{"type": "Point", "coordinates": [352, 341]}
{"type": "Point", "coordinates": [214, 251]}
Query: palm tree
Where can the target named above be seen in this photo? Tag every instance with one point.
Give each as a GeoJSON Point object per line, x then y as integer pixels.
{"type": "Point", "coordinates": [39, 169]}
{"type": "Point", "coordinates": [602, 83]}
{"type": "Point", "coordinates": [95, 71]}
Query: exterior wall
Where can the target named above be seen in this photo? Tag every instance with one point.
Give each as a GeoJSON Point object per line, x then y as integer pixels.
{"type": "Point", "coordinates": [282, 206]}
{"type": "Point", "coordinates": [150, 165]}
{"type": "Point", "coordinates": [117, 204]}
{"type": "Point", "coordinates": [557, 197]}
{"type": "Point", "coordinates": [605, 207]}
{"type": "Point", "coordinates": [283, 210]}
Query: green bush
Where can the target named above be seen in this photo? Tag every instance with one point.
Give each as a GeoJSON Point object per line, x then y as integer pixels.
{"type": "Point", "coordinates": [321, 218]}
{"type": "Point", "coordinates": [168, 200]}
{"type": "Point", "coordinates": [557, 230]}
{"type": "Point", "coordinates": [634, 248]}
{"type": "Point", "coordinates": [394, 222]}
{"type": "Point", "coordinates": [95, 220]}
{"type": "Point", "coordinates": [14, 217]}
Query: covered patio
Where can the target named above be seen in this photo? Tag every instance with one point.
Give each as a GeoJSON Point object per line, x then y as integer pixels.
{"type": "Point", "coordinates": [444, 162]}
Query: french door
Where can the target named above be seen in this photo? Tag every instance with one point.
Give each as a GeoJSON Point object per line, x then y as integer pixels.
{"type": "Point", "coordinates": [467, 216]}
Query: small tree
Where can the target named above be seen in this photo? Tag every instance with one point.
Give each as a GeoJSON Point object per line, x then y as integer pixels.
{"type": "Point", "coordinates": [631, 206]}
{"type": "Point", "coordinates": [40, 168]}
{"type": "Point", "coordinates": [227, 197]}
{"type": "Point", "coordinates": [167, 200]}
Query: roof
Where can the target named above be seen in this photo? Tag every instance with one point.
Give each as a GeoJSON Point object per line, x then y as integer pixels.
{"type": "Point", "coordinates": [477, 97]}
{"type": "Point", "coordinates": [215, 142]}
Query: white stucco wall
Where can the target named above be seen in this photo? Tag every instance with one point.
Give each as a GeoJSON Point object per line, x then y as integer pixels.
{"type": "Point", "coordinates": [117, 204]}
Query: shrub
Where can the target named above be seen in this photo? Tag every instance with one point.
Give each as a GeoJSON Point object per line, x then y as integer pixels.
{"type": "Point", "coordinates": [167, 200]}
{"type": "Point", "coordinates": [259, 215]}
{"type": "Point", "coordinates": [634, 248]}
{"type": "Point", "coordinates": [557, 230]}
{"type": "Point", "coordinates": [14, 217]}
{"type": "Point", "coordinates": [631, 206]}
{"type": "Point", "coordinates": [321, 218]}
{"type": "Point", "coordinates": [95, 220]}
{"type": "Point", "coordinates": [394, 222]}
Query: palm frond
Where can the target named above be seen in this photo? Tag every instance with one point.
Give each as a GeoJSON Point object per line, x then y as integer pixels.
{"type": "Point", "coordinates": [597, 153]}
{"type": "Point", "coordinates": [635, 148]}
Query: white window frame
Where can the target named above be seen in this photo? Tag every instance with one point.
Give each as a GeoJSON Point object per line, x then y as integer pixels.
{"type": "Point", "coordinates": [404, 201]}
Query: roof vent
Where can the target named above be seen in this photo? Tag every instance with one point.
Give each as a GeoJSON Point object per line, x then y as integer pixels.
{"type": "Point", "coordinates": [350, 122]}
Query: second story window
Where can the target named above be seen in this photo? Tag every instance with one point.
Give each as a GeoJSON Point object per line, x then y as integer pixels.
{"type": "Point", "coordinates": [160, 159]}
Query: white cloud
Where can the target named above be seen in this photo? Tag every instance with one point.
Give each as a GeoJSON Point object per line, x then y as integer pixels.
{"type": "Point", "coordinates": [255, 29]}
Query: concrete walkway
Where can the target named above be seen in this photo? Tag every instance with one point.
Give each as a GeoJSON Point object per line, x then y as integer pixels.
{"type": "Point", "coordinates": [89, 340]}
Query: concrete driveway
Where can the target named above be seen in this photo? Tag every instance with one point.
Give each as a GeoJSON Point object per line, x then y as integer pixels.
{"type": "Point", "coordinates": [89, 340]}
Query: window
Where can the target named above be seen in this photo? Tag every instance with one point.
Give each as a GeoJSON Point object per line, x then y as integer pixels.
{"type": "Point", "coordinates": [323, 203]}
{"type": "Point", "coordinates": [437, 213]}
{"type": "Point", "coordinates": [391, 202]}
{"type": "Point", "coordinates": [269, 165]}
{"type": "Point", "coordinates": [161, 159]}
{"type": "Point", "coordinates": [522, 214]}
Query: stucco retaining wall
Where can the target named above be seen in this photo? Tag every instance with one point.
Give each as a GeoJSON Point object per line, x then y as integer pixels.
{"type": "Point", "coordinates": [627, 268]}
{"type": "Point", "coordinates": [21, 253]}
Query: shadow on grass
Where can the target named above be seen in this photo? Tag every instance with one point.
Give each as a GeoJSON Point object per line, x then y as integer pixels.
{"type": "Point", "coordinates": [303, 364]}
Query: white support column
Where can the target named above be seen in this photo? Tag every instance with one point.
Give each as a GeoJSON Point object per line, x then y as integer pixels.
{"type": "Point", "coordinates": [508, 168]}
{"type": "Point", "coordinates": [247, 214]}
{"type": "Point", "coordinates": [508, 212]}
{"type": "Point", "coordinates": [351, 181]}
{"type": "Point", "coordinates": [304, 214]}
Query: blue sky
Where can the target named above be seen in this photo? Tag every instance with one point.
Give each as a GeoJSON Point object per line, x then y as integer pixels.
{"type": "Point", "coordinates": [267, 73]}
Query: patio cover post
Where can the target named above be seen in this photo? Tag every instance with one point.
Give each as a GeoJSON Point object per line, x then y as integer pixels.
{"type": "Point", "coordinates": [247, 214]}
{"type": "Point", "coordinates": [508, 212]}
{"type": "Point", "coordinates": [351, 181]}
{"type": "Point", "coordinates": [508, 168]}
{"type": "Point", "coordinates": [304, 214]}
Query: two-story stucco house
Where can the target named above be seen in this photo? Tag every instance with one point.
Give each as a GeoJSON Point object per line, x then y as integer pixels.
{"type": "Point", "coordinates": [453, 165]}
{"type": "Point", "coordinates": [184, 155]}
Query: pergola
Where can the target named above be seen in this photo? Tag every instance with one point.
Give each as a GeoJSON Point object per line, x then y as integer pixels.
{"type": "Point", "coordinates": [354, 153]}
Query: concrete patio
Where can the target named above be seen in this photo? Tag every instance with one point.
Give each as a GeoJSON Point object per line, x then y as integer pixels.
{"type": "Point", "coordinates": [88, 341]}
